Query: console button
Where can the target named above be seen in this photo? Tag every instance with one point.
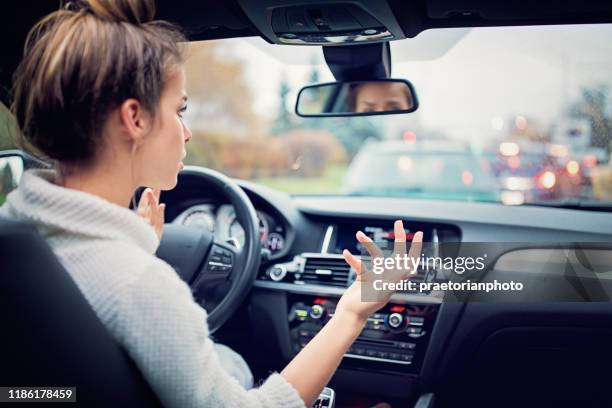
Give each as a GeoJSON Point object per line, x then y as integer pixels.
{"type": "Point", "coordinates": [416, 320]}
{"type": "Point", "coordinates": [317, 311]}
{"type": "Point", "coordinates": [406, 357]}
{"type": "Point", "coordinates": [404, 345]}
{"type": "Point", "coordinates": [395, 320]}
{"type": "Point", "coordinates": [277, 272]}
{"type": "Point", "coordinates": [415, 332]}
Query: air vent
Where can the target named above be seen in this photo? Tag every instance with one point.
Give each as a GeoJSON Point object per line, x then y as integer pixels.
{"type": "Point", "coordinates": [326, 271]}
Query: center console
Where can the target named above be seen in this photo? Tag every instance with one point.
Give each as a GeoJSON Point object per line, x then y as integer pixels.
{"type": "Point", "coordinates": [395, 337]}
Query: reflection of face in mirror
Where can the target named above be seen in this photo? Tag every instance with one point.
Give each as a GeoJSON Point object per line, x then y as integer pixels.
{"type": "Point", "coordinates": [379, 97]}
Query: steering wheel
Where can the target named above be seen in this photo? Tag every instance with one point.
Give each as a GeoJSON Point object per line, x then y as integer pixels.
{"type": "Point", "coordinates": [207, 265]}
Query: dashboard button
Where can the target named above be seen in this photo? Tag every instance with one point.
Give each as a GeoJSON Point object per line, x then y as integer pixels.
{"type": "Point", "coordinates": [416, 320]}
{"type": "Point", "coordinates": [406, 357]}
{"type": "Point", "coordinates": [277, 272]}
{"type": "Point", "coordinates": [405, 345]}
{"type": "Point", "coordinates": [317, 311]}
{"type": "Point", "coordinates": [395, 320]}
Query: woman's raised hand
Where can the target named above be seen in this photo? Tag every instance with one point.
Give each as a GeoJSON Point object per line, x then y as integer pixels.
{"type": "Point", "coordinates": [151, 210]}
{"type": "Point", "coordinates": [351, 301]}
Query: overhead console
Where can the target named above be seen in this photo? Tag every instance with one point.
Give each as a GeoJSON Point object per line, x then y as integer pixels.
{"type": "Point", "coordinates": [323, 23]}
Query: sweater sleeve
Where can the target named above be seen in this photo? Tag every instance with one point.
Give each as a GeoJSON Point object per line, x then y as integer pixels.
{"type": "Point", "coordinates": [166, 334]}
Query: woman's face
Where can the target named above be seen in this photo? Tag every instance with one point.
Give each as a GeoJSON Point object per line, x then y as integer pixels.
{"type": "Point", "coordinates": [160, 157]}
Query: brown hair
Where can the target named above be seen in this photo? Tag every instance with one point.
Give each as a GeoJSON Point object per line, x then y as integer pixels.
{"type": "Point", "coordinates": [82, 61]}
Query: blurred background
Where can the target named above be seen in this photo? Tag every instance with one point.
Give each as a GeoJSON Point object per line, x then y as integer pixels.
{"type": "Point", "coordinates": [516, 115]}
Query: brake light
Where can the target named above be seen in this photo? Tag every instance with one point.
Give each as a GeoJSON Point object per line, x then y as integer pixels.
{"type": "Point", "coordinates": [467, 178]}
{"type": "Point", "coordinates": [409, 136]}
{"type": "Point", "coordinates": [590, 160]}
{"type": "Point", "coordinates": [547, 180]}
{"type": "Point", "coordinates": [572, 167]}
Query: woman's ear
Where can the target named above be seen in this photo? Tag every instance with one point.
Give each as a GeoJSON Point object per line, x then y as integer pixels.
{"type": "Point", "coordinates": [134, 120]}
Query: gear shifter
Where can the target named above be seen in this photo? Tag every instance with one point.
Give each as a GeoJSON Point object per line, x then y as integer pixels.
{"type": "Point", "coordinates": [327, 399]}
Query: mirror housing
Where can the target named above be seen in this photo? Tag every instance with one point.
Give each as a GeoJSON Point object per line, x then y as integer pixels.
{"type": "Point", "coordinates": [357, 98]}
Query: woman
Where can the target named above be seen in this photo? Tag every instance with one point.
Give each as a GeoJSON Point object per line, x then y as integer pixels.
{"type": "Point", "coordinates": [100, 92]}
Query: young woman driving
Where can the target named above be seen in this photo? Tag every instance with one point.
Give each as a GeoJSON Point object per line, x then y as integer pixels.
{"type": "Point", "coordinates": [100, 92]}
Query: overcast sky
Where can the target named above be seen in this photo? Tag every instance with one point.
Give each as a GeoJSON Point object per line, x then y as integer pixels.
{"type": "Point", "coordinates": [475, 76]}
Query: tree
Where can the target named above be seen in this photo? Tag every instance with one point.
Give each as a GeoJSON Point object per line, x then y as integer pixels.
{"type": "Point", "coordinates": [283, 121]}
{"type": "Point", "coordinates": [593, 107]}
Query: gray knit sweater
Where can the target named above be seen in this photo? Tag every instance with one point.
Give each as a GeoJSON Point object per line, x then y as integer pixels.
{"type": "Point", "coordinates": [109, 252]}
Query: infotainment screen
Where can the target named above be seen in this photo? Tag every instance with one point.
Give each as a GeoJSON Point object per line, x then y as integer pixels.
{"type": "Point", "coordinates": [345, 236]}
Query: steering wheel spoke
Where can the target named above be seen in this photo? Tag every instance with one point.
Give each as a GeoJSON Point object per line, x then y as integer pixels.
{"type": "Point", "coordinates": [219, 274]}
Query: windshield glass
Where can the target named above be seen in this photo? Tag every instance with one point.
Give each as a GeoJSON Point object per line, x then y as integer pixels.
{"type": "Point", "coordinates": [518, 115]}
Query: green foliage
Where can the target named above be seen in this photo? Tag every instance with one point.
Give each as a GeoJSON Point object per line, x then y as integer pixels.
{"type": "Point", "coordinates": [592, 106]}
{"type": "Point", "coordinates": [8, 129]}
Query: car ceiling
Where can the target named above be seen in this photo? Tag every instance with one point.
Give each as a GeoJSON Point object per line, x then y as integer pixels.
{"type": "Point", "coordinates": [211, 19]}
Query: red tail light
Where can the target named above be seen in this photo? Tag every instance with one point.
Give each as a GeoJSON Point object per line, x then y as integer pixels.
{"type": "Point", "coordinates": [590, 160]}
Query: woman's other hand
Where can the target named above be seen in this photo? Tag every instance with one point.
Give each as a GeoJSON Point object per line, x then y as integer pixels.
{"type": "Point", "coordinates": [351, 301]}
{"type": "Point", "coordinates": [151, 210]}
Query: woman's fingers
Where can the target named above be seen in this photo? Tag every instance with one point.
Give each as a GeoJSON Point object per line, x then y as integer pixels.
{"type": "Point", "coordinates": [151, 210]}
{"type": "Point", "coordinates": [417, 244]}
{"type": "Point", "coordinates": [143, 204]}
{"type": "Point", "coordinates": [162, 216]}
{"type": "Point", "coordinates": [400, 237]}
{"type": "Point", "coordinates": [369, 245]}
{"type": "Point", "coordinates": [355, 263]}
{"type": "Point", "coordinates": [352, 260]}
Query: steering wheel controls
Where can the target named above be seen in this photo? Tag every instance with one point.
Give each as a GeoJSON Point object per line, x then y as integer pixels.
{"type": "Point", "coordinates": [220, 260]}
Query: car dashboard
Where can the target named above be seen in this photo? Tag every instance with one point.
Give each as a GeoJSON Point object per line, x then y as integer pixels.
{"type": "Point", "coordinates": [414, 343]}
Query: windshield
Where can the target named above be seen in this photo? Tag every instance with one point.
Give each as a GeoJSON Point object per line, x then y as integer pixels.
{"type": "Point", "coordinates": [523, 101]}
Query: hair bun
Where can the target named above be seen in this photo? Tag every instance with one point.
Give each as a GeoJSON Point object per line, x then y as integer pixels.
{"type": "Point", "coordinates": [129, 11]}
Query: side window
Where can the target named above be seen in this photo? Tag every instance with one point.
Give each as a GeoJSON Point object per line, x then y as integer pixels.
{"type": "Point", "coordinates": [8, 127]}
{"type": "Point", "coordinates": [10, 167]}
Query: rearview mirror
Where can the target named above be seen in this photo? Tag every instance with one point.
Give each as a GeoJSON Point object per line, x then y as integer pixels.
{"type": "Point", "coordinates": [357, 98]}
